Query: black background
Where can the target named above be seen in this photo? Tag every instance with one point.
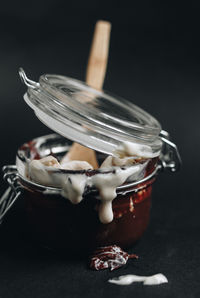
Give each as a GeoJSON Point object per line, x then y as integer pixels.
{"type": "Point", "coordinates": [154, 62]}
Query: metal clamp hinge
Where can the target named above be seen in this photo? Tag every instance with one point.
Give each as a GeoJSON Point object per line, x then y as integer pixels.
{"type": "Point", "coordinates": [29, 83]}
{"type": "Point", "coordinates": [170, 158]}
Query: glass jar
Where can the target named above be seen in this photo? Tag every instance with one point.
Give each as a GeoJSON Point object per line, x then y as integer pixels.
{"type": "Point", "coordinates": [83, 114]}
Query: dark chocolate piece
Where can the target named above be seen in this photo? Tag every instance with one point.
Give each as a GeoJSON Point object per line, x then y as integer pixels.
{"type": "Point", "coordinates": [111, 257]}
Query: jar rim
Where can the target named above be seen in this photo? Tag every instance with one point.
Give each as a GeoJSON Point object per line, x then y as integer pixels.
{"type": "Point", "coordinates": [122, 188]}
{"type": "Point", "coordinates": [37, 146]}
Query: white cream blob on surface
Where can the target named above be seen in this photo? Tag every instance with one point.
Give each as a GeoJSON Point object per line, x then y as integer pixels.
{"type": "Point", "coordinates": [125, 280]}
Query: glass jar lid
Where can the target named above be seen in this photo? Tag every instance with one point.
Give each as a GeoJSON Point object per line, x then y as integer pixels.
{"type": "Point", "coordinates": [90, 117]}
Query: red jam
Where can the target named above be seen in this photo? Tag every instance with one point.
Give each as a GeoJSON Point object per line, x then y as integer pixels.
{"type": "Point", "coordinates": [31, 149]}
{"type": "Point", "coordinates": [58, 223]}
{"type": "Point", "coordinates": [112, 257]}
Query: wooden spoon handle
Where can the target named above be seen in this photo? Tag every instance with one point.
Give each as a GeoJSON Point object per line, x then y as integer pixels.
{"type": "Point", "coordinates": [98, 57]}
{"type": "Point", "coordinates": [95, 74]}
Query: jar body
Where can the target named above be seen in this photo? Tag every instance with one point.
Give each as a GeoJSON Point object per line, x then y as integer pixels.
{"type": "Point", "coordinates": [58, 224]}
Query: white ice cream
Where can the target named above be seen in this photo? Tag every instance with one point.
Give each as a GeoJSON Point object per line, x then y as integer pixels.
{"type": "Point", "coordinates": [114, 161]}
{"type": "Point", "coordinates": [76, 165]}
{"type": "Point", "coordinates": [73, 185]}
{"type": "Point", "coordinates": [127, 154]}
{"type": "Point", "coordinates": [38, 170]}
{"type": "Point", "coordinates": [129, 149]}
{"type": "Point", "coordinates": [107, 184]}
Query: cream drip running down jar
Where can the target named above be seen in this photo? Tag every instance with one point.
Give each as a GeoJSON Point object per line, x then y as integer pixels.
{"type": "Point", "coordinates": [71, 204]}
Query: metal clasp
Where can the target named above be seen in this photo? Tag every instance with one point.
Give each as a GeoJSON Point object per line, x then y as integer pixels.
{"type": "Point", "coordinates": [13, 191]}
{"type": "Point", "coordinates": [29, 83]}
{"type": "Point", "coordinates": [170, 157]}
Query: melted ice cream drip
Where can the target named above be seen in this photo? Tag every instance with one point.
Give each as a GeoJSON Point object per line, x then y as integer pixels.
{"type": "Point", "coordinates": [107, 184]}
{"type": "Point", "coordinates": [124, 280]}
{"type": "Point", "coordinates": [73, 185]}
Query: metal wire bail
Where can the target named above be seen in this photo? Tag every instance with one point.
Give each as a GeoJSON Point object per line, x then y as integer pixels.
{"type": "Point", "coordinates": [13, 191]}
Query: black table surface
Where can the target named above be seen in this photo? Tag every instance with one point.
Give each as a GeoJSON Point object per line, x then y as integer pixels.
{"type": "Point", "coordinates": [162, 78]}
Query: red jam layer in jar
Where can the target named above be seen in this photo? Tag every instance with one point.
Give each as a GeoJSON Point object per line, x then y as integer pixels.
{"type": "Point", "coordinates": [59, 224]}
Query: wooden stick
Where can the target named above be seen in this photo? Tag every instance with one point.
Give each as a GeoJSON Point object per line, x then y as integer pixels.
{"type": "Point", "coordinates": [98, 57]}
{"type": "Point", "coordinates": [95, 75]}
